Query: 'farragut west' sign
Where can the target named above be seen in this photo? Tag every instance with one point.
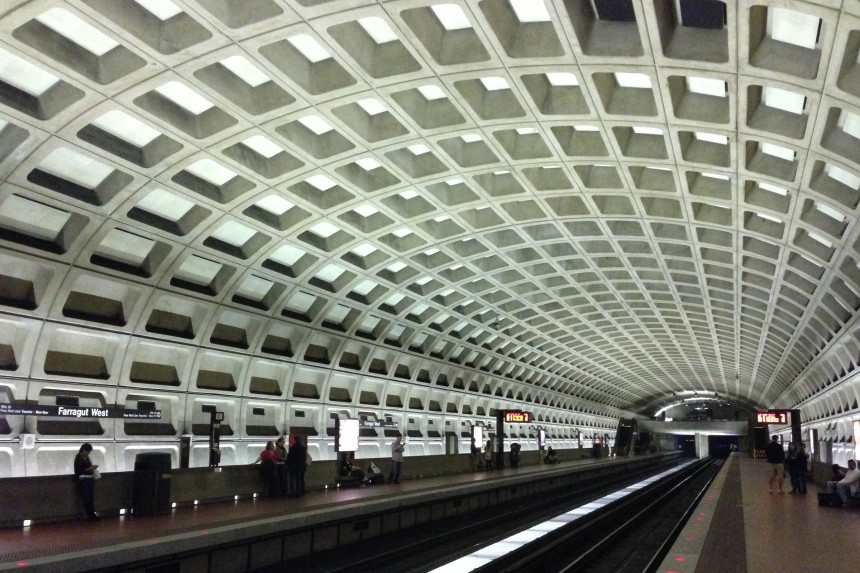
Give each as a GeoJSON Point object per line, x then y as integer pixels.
{"type": "Point", "coordinates": [77, 412]}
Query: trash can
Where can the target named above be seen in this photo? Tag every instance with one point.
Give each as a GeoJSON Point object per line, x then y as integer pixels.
{"type": "Point", "coordinates": [515, 455]}
{"type": "Point", "coordinates": [152, 478]}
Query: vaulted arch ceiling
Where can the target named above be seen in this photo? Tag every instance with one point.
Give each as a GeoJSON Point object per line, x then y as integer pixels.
{"type": "Point", "coordinates": [592, 203]}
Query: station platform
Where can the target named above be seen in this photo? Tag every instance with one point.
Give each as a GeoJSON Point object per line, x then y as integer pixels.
{"type": "Point", "coordinates": [250, 533]}
{"type": "Point", "coordinates": [740, 527]}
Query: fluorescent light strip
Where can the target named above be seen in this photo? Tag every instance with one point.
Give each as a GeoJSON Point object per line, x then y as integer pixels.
{"type": "Point", "coordinates": [501, 548]}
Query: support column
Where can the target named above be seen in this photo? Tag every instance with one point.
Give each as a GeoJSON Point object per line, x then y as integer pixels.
{"type": "Point", "coordinates": [702, 447]}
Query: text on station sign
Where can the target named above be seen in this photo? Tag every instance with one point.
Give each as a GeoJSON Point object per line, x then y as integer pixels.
{"type": "Point", "coordinates": [521, 417]}
{"type": "Point", "coordinates": [771, 417]}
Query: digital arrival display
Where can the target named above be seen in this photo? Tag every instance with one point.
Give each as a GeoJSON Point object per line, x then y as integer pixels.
{"type": "Point", "coordinates": [773, 417]}
{"type": "Point", "coordinates": [518, 417]}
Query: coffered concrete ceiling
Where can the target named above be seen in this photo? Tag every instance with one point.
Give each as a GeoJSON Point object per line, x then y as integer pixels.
{"type": "Point", "coordinates": [585, 204]}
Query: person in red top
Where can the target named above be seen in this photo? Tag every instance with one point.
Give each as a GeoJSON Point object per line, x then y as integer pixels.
{"type": "Point", "coordinates": [268, 460]}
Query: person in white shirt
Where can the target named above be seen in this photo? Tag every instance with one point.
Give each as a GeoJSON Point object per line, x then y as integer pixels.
{"type": "Point", "coordinates": [846, 485]}
{"type": "Point", "coordinates": [396, 459]}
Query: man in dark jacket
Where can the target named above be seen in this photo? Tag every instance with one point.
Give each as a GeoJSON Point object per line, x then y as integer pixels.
{"type": "Point", "coordinates": [775, 457]}
{"type": "Point", "coordinates": [296, 465]}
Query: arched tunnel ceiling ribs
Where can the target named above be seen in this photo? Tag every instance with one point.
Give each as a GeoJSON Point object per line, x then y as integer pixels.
{"type": "Point", "coordinates": [597, 203]}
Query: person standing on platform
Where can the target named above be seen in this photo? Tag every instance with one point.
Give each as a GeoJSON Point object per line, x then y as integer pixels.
{"type": "Point", "coordinates": [797, 471]}
{"type": "Point", "coordinates": [396, 459]}
{"type": "Point", "coordinates": [847, 485]}
{"type": "Point", "coordinates": [85, 477]}
{"type": "Point", "coordinates": [281, 470]}
{"type": "Point", "coordinates": [790, 465]}
{"type": "Point", "coordinates": [775, 458]}
{"type": "Point", "coordinates": [488, 456]}
{"type": "Point", "coordinates": [296, 466]}
{"type": "Point", "coordinates": [268, 460]}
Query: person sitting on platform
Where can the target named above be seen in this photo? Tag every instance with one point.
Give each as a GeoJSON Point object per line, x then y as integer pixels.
{"type": "Point", "coordinates": [847, 486]}
{"type": "Point", "coordinates": [550, 456]}
{"type": "Point", "coordinates": [837, 472]}
{"type": "Point", "coordinates": [348, 469]}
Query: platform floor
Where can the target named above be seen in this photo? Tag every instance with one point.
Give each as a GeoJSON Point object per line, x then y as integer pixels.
{"type": "Point", "coordinates": [24, 548]}
{"type": "Point", "coordinates": [740, 527]}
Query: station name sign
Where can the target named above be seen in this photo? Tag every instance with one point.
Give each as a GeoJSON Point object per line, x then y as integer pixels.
{"type": "Point", "coordinates": [518, 417]}
{"type": "Point", "coordinates": [377, 424]}
{"type": "Point", "coordinates": [772, 417]}
{"type": "Point", "coordinates": [77, 412]}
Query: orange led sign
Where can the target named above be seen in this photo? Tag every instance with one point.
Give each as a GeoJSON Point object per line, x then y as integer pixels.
{"type": "Point", "coordinates": [519, 417]}
{"type": "Point", "coordinates": [771, 417]}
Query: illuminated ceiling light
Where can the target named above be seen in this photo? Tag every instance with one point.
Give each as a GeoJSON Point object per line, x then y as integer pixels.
{"type": "Point", "coordinates": [644, 130]}
{"type": "Point", "coordinates": [838, 174]}
{"type": "Point", "coordinates": [495, 83]}
{"type": "Point", "coordinates": [309, 48]}
{"type": "Point", "coordinates": [793, 27]}
{"type": "Point", "coordinates": [707, 86]}
{"type": "Point", "coordinates": [560, 79]}
{"type": "Point", "coordinates": [366, 210]}
{"type": "Point", "coordinates": [364, 249]}
{"type": "Point", "coordinates": [324, 229]}
{"type": "Point", "coordinates": [431, 92]}
{"type": "Point", "coordinates": [185, 97]}
{"type": "Point", "coordinates": [451, 16]}
{"type": "Point", "coordinates": [330, 273]}
{"type": "Point", "coordinates": [632, 80]}
{"type": "Point", "coordinates": [162, 9]}
{"type": "Point", "coordinates": [849, 123]}
{"type": "Point", "coordinates": [783, 99]}
{"type": "Point", "coordinates": [321, 182]}
{"type": "Point", "coordinates": [777, 151]}
{"type": "Point", "coordinates": [371, 106]}
{"type": "Point", "coordinates": [377, 29]}
{"type": "Point", "coordinates": [368, 163]}
{"type": "Point", "coordinates": [316, 124]}
{"type": "Point", "coordinates": [211, 171]}
{"type": "Point", "coordinates": [712, 137]}
{"type": "Point", "coordinates": [773, 188]}
{"type": "Point", "coordinates": [530, 10]}
{"type": "Point", "coordinates": [274, 204]}
{"type": "Point", "coordinates": [263, 145]}
{"type": "Point", "coordinates": [830, 212]}
{"type": "Point", "coordinates": [234, 233]}
{"type": "Point", "coordinates": [245, 71]}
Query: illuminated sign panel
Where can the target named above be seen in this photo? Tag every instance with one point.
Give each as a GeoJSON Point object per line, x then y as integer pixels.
{"type": "Point", "coordinates": [856, 438]}
{"type": "Point", "coordinates": [478, 437]}
{"type": "Point", "coordinates": [518, 417]}
{"type": "Point", "coordinates": [771, 417]}
{"type": "Point", "coordinates": [346, 435]}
